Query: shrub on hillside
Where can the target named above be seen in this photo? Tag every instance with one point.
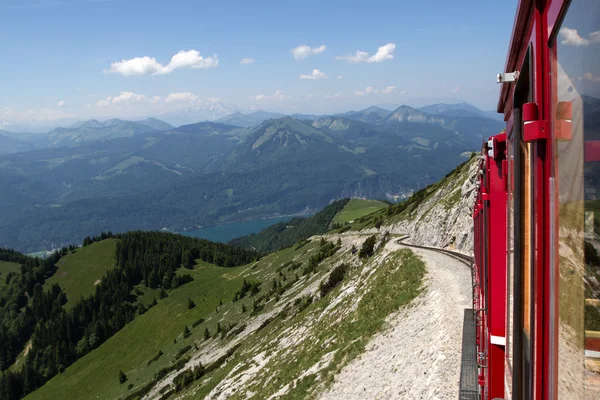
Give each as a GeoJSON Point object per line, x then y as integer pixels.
{"type": "Point", "coordinates": [367, 247]}
{"type": "Point", "coordinates": [335, 278]}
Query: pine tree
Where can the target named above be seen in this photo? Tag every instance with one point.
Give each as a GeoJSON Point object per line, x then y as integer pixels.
{"type": "Point", "coordinates": [206, 334]}
{"type": "Point", "coordinates": [163, 293]}
{"type": "Point", "coordinates": [191, 303]}
{"type": "Point", "coordinates": [122, 377]}
{"type": "Point", "coordinates": [243, 308]}
{"type": "Point", "coordinates": [186, 332]}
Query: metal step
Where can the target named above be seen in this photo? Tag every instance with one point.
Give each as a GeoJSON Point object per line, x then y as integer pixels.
{"type": "Point", "coordinates": [468, 366]}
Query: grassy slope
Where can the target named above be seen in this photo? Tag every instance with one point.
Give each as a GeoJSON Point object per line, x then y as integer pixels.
{"type": "Point", "coordinates": [96, 374]}
{"type": "Point", "coordinates": [77, 272]}
{"type": "Point", "coordinates": [357, 208]}
{"type": "Point", "coordinates": [336, 339]}
{"type": "Point", "coordinates": [5, 268]}
{"type": "Point", "coordinates": [395, 282]}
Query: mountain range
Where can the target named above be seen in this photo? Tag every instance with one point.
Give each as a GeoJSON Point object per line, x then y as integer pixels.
{"type": "Point", "coordinates": [119, 175]}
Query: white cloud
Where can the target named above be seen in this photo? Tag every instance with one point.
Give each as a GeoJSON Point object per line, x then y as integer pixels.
{"type": "Point", "coordinates": [279, 95]}
{"type": "Point", "coordinates": [588, 76]}
{"type": "Point", "coordinates": [185, 97]}
{"type": "Point", "coordinates": [128, 97]}
{"type": "Point", "coordinates": [41, 115]}
{"type": "Point", "coordinates": [135, 66]}
{"type": "Point", "coordinates": [333, 96]}
{"type": "Point", "coordinates": [339, 77]}
{"type": "Point", "coordinates": [384, 53]}
{"type": "Point", "coordinates": [372, 90]}
{"type": "Point", "coordinates": [247, 61]}
{"type": "Point", "coordinates": [360, 56]}
{"type": "Point", "coordinates": [571, 37]}
{"type": "Point", "coordinates": [594, 37]}
{"type": "Point", "coordinates": [155, 99]}
{"type": "Point", "coordinates": [315, 75]}
{"type": "Point", "coordinates": [60, 104]}
{"type": "Point", "coordinates": [303, 51]}
{"type": "Point", "coordinates": [124, 98]}
{"type": "Point", "coordinates": [104, 103]}
{"type": "Point", "coordinates": [456, 89]}
{"type": "Point", "coordinates": [149, 66]}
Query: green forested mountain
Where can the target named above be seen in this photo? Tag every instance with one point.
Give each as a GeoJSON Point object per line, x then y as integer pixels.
{"type": "Point", "coordinates": [285, 234]}
{"type": "Point", "coordinates": [58, 336]}
{"type": "Point", "coordinates": [93, 130]}
{"type": "Point", "coordinates": [209, 173]}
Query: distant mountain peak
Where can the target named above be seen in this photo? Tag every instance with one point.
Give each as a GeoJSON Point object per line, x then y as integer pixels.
{"type": "Point", "coordinates": [407, 113]}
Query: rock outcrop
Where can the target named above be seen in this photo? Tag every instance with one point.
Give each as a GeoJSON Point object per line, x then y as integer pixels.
{"type": "Point", "coordinates": [444, 217]}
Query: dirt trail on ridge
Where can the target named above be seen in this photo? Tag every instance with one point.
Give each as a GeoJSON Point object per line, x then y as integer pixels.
{"type": "Point", "coordinates": [417, 356]}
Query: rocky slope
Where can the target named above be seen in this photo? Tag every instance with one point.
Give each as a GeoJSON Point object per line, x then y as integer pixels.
{"type": "Point", "coordinates": [442, 217]}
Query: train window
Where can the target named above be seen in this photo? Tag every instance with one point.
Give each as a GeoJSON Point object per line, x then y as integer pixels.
{"type": "Point", "coordinates": [510, 248]}
{"type": "Point", "coordinates": [520, 244]}
{"type": "Point", "coordinates": [575, 68]}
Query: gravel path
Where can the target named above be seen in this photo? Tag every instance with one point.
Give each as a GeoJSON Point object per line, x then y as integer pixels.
{"type": "Point", "coordinates": [418, 354]}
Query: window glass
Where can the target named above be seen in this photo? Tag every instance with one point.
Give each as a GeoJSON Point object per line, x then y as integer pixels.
{"type": "Point", "coordinates": [510, 247]}
{"type": "Point", "coordinates": [575, 66]}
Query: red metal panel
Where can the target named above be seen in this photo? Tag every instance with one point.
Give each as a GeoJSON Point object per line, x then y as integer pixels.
{"type": "Point", "coordinates": [496, 290]}
{"type": "Point", "coordinates": [555, 10]}
{"type": "Point", "coordinates": [592, 150]}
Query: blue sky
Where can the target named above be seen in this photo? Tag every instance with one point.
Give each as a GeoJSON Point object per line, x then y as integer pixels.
{"type": "Point", "coordinates": [78, 58]}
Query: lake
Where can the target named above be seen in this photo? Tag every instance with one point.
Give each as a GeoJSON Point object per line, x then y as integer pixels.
{"type": "Point", "coordinates": [224, 233]}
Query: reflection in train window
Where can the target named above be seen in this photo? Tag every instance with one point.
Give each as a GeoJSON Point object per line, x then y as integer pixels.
{"type": "Point", "coordinates": [575, 57]}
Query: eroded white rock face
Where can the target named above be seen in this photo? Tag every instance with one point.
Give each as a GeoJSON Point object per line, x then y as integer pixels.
{"type": "Point", "coordinates": [444, 220]}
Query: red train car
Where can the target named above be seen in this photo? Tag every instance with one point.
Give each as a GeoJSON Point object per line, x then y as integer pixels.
{"type": "Point", "coordinates": [537, 214]}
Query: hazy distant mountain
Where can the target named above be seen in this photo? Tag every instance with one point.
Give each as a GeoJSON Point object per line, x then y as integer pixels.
{"type": "Point", "coordinates": [472, 129]}
{"type": "Point", "coordinates": [442, 108]}
{"type": "Point", "coordinates": [306, 117]}
{"type": "Point", "coordinates": [9, 144]}
{"type": "Point", "coordinates": [157, 124]}
{"type": "Point", "coordinates": [409, 114]}
{"type": "Point", "coordinates": [202, 112]}
{"type": "Point", "coordinates": [246, 120]}
{"type": "Point", "coordinates": [211, 172]}
{"type": "Point", "coordinates": [371, 114]}
{"type": "Point", "coordinates": [35, 126]}
{"type": "Point", "coordinates": [459, 110]}
{"type": "Point", "coordinates": [94, 130]}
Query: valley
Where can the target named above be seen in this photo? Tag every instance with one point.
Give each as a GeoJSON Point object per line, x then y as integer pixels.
{"type": "Point", "coordinates": [298, 322]}
{"type": "Point", "coordinates": [226, 232]}
{"type": "Point", "coordinates": [120, 175]}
